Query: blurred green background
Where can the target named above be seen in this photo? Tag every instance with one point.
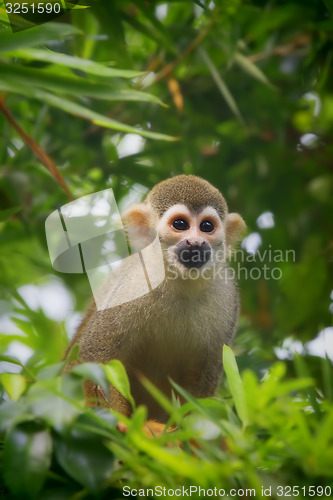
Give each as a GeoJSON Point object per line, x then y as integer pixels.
{"type": "Point", "coordinates": [123, 94]}
{"type": "Point", "coordinates": [247, 90]}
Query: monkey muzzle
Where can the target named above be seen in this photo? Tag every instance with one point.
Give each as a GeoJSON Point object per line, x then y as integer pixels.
{"type": "Point", "coordinates": [193, 254]}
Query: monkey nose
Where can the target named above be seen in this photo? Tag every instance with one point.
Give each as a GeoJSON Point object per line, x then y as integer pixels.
{"type": "Point", "coordinates": [193, 254]}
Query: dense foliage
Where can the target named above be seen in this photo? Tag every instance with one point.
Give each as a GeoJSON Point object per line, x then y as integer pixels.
{"type": "Point", "coordinates": [121, 94]}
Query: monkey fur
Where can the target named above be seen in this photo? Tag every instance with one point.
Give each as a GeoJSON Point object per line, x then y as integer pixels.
{"type": "Point", "coordinates": [178, 329]}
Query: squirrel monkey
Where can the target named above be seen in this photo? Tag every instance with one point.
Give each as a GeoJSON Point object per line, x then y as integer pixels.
{"type": "Point", "coordinates": [178, 329]}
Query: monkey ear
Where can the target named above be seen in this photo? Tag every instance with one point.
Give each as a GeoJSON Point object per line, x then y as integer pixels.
{"type": "Point", "coordinates": [138, 226]}
{"type": "Point", "coordinates": [234, 228]}
{"type": "Point", "coordinates": [137, 215]}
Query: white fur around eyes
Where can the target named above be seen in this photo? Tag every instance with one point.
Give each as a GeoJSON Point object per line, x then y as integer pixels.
{"type": "Point", "coordinates": [179, 209]}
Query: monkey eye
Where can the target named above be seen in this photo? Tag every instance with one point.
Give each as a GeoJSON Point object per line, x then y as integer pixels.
{"type": "Point", "coordinates": [180, 224]}
{"type": "Point", "coordinates": [206, 226]}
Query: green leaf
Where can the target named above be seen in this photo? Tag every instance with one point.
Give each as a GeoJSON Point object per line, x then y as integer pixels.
{"type": "Point", "coordinates": [15, 20]}
{"type": "Point", "coordinates": [253, 70]}
{"type": "Point", "coordinates": [200, 405]}
{"type": "Point", "coordinates": [25, 326]}
{"type": "Point", "coordinates": [173, 461]}
{"type": "Point", "coordinates": [138, 419]}
{"type": "Point", "coordinates": [26, 459]}
{"type": "Point", "coordinates": [117, 376]}
{"type": "Point", "coordinates": [51, 371]}
{"type": "Point", "coordinates": [235, 383]}
{"type": "Point", "coordinates": [94, 372]}
{"type": "Point", "coordinates": [35, 36]}
{"type": "Point", "coordinates": [104, 415]}
{"type": "Point", "coordinates": [90, 67]}
{"type": "Point", "coordinates": [156, 30]}
{"type": "Point", "coordinates": [221, 85]}
{"type": "Point", "coordinates": [14, 384]}
{"type": "Point", "coordinates": [73, 354]}
{"type": "Point", "coordinates": [10, 359]}
{"type": "Point", "coordinates": [13, 75]}
{"type": "Point", "coordinates": [47, 402]}
{"type": "Point", "coordinates": [71, 6]}
{"type": "Point", "coordinates": [11, 413]}
{"type": "Point", "coordinates": [73, 108]}
{"type": "Point", "coordinates": [85, 458]}
{"type": "Point", "coordinates": [161, 398]}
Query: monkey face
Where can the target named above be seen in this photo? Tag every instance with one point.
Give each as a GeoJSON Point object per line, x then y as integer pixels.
{"type": "Point", "coordinates": [191, 218]}
{"type": "Point", "coordinates": [189, 238]}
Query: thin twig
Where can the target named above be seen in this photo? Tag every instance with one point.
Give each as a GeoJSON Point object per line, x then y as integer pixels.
{"type": "Point", "coordinates": [283, 50]}
{"type": "Point", "coordinates": [35, 148]}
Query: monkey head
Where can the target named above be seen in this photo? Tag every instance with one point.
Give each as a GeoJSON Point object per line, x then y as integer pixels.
{"type": "Point", "coordinates": [192, 220]}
